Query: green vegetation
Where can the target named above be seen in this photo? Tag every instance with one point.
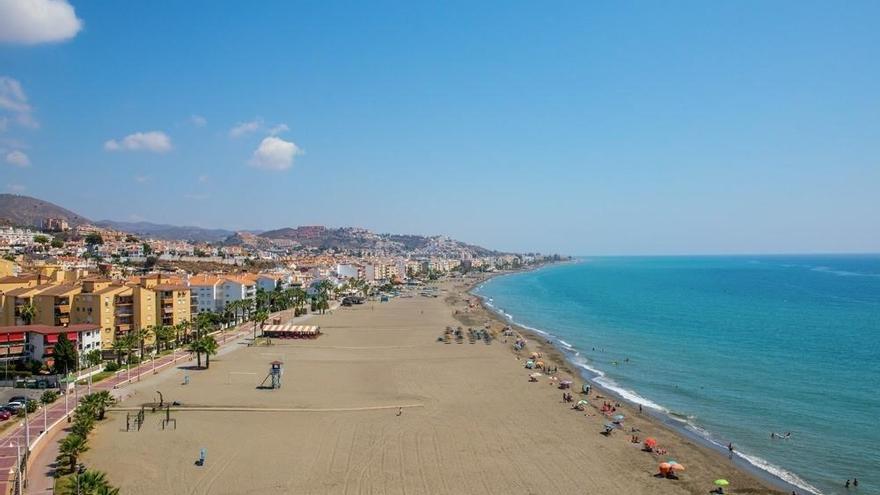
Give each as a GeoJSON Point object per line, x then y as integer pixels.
{"type": "Point", "coordinates": [49, 396]}
{"type": "Point", "coordinates": [65, 355]}
{"type": "Point", "coordinates": [74, 477]}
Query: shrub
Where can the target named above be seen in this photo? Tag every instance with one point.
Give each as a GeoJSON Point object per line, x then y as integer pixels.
{"type": "Point", "coordinates": [49, 396]}
{"type": "Point", "coordinates": [111, 367]}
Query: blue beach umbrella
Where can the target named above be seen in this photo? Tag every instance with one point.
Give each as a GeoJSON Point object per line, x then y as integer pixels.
{"type": "Point", "coordinates": [618, 417]}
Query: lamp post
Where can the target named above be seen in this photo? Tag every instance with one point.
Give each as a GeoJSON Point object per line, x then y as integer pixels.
{"type": "Point", "coordinates": [27, 430]}
{"type": "Point", "coordinates": [18, 464]}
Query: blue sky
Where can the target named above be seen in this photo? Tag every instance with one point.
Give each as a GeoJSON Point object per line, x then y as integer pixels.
{"type": "Point", "coordinates": [578, 127]}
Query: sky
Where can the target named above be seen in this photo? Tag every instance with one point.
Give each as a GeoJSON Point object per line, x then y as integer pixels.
{"type": "Point", "coordinates": [571, 127]}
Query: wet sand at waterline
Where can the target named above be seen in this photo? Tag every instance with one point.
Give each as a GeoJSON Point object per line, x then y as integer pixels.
{"type": "Point", "coordinates": [471, 421]}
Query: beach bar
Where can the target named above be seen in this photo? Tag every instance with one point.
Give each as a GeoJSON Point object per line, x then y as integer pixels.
{"type": "Point", "coordinates": [292, 331]}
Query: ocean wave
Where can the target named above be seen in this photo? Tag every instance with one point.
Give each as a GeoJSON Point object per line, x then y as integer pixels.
{"type": "Point", "coordinates": [842, 273]}
{"type": "Point", "coordinates": [687, 421]}
{"type": "Point", "coordinates": [758, 462]}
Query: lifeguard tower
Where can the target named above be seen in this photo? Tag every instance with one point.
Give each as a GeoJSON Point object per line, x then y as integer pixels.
{"type": "Point", "coordinates": [275, 372]}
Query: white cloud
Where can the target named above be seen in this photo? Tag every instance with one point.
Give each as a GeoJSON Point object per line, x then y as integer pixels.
{"type": "Point", "coordinates": [18, 158]}
{"type": "Point", "coordinates": [203, 178]}
{"type": "Point", "coordinates": [243, 128]}
{"type": "Point", "coordinates": [13, 100]}
{"type": "Point", "coordinates": [154, 141]}
{"type": "Point", "coordinates": [275, 154]}
{"type": "Point", "coordinates": [142, 179]}
{"type": "Point", "coordinates": [198, 120]}
{"type": "Point", "coordinates": [37, 21]}
{"type": "Point", "coordinates": [278, 129]}
{"type": "Point", "coordinates": [16, 188]}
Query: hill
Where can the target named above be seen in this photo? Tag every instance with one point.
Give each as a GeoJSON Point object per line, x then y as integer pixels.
{"type": "Point", "coordinates": [28, 211]}
{"type": "Point", "coordinates": [168, 232]}
{"type": "Point", "coordinates": [358, 239]}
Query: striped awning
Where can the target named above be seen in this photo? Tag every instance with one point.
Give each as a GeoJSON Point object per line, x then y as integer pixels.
{"type": "Point", "coordinates": [289, 328]}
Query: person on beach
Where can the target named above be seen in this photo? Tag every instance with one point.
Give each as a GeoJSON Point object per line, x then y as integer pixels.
{"type": "Point", "coordinates": [856, 482]}
{"type": "Point", "coordinates": [730, 454]}
{"type": "Point", "coordinates": [846, 485]}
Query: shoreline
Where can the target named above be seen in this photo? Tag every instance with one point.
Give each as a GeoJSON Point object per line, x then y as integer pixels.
{"type": "Point", "coordinates": [555, 350]}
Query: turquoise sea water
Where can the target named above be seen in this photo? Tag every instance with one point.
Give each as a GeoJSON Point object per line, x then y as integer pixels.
{"type": "Point", "coordinates": [732, 348]}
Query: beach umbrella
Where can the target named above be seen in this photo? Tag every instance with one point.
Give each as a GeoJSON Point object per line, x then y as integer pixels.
{"type": "Point", "coordinates": [676, 466]}
{"type": "Point", "coordinates": [583, 402]}
{"type": "Point", "coordinates": [664, 466]}
{"type": "Point", "coordinates": [721, 482]}
{"type": "Point", "coordinates": [618, 417]}
{"type": "Point", "coordinates": [610, 425]}
{"type": "Point", "coordinates": [650, 442]}
{"type": "Point", "coordinates": [535, 375]}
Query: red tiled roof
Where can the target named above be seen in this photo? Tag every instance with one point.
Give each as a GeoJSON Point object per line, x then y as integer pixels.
{"type": "Point", "coordinates": [48, 329]}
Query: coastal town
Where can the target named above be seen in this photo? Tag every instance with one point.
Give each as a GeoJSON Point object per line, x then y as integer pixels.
{"type": "Point", "coordinates": [111, 284]}
{"type": "Point", "coordinates": [85, 305]}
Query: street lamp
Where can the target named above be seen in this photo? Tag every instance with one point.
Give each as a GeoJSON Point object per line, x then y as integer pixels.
{"type": "Point", "coordinates": [19, 480]}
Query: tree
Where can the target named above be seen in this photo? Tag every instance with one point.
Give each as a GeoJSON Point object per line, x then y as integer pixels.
{"type": "Point", "coordinates": [70, 449]}
{"type": "Point", "coordinates": [42, 240]}
{"type": "Point", "coordinates": [94, 239]}
{"type": "Point", "coordinates": [89, 482]}
{"type": "Point", "coordinates": [64, 355]}
{"type": "Point", "coordinates": [93, 357]}
{"type": "Point", "coordinates": [98, 402]}
{"type": "Point", "coordinates": [146, 249]}
{"type": "Point", "coordinates": [57, 243]}
{"type": "Point", "coordinates": [143, 335]}
{"type": "Point", "coordinates": [164, 335]}
{"type": "Point", "coordinates": [119, 347]}
{"type": "Point", "coordinates": [209, 347]}
{"type": "Point", "coordinates": [198, 347]}
{"type": "Point", "coordinates": [28, 312]}
{"type": "Point", "coordinates": [260, 317]}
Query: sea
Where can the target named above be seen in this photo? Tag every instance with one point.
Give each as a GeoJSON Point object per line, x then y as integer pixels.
{"type": "Point", "coordinates": [728, 349]}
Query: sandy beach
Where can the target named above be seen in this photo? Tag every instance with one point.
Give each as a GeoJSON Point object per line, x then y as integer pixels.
{"type": "Point", "coordinates": [377, 405]}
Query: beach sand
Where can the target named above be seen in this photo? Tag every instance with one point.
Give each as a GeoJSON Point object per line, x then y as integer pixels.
{"type": "Point", "coordinates": [471, 421]}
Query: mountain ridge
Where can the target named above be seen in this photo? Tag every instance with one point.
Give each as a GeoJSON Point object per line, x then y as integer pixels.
{"type": "Point", "coordinates": [28, 211]}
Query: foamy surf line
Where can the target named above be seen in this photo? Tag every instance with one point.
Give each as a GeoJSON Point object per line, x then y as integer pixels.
{"type": "Point", "coordinates": [757, 465]}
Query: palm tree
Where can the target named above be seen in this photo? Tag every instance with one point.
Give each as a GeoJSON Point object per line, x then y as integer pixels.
{"type": "Point", "coordinates": [198, 347]}
{"type": "Point", "coordinates": [164, 335]}
{"type": "Point", "coordinates": [260, 317]}
{"type": "Point", "coordinates": [70, 449]}
{"type": "Point", "coordinates": [142, 336]}
{"type": "Point", "coordinates": [28, 312]}
{"type": "Point", "coordinates": [119, 348]}
{"type": "Point", "coordinates": [92, 482]}
{"type": "Point", "coordinates": [99, 402]}
{"type": "Point", "coordinates": [181, 328]}
{"type": "Point", "coordinates": [209, 347]}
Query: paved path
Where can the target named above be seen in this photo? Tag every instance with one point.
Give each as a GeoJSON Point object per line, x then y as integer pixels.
{"type": "Point", "coordinates": [40, 480]}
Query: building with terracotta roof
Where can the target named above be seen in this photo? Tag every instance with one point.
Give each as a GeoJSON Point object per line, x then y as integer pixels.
{"type": "Point", "coordinates": [206, 290]}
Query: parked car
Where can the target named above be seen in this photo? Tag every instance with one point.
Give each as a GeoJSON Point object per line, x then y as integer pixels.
{"type": "Point", "coordinates": [14, 407]}
{"type": "Point", "coordinates": [4, 415]}
{"type": "Point", "coordinates": [19, 398]}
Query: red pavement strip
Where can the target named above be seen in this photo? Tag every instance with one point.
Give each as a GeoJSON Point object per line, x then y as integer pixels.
{"type": "Point", "coordinates": [55, 413]}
